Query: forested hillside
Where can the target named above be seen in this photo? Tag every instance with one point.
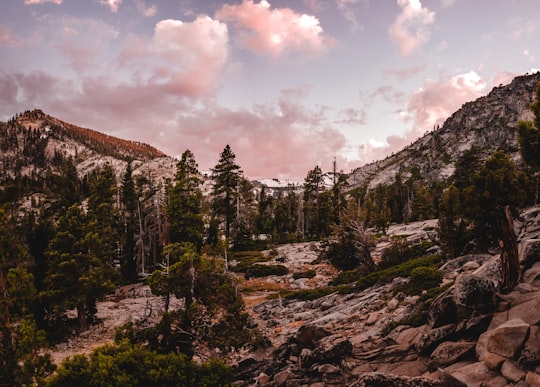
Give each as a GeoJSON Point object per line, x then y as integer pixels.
{"type": "Point", "coordinates": [74, 229]}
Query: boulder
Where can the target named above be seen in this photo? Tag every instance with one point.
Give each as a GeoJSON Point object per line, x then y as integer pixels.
{"type": "Point", "coordinates": [530, 354]}
{"type": "Point", "coordinates": [532, 379]}
{"type": "Point", "coordinates": [449, 352]}
{"type": "Point", "coordinates": [512, 372]}
{"type": "Point", "coordinates": [283, 376]}
{"type": "Point", "coordinates": [491, 270]}
{"type": "Point", "coordinates": [528, 312]}
{"type": "Point", "coordinates": [473, 293]}
{"type": "Point", "coordinates": [474, 375]}
{"type": "Point", "coordinates": [532, 276]}
{"type": "Point", "coordinates": [506, 340]}
{"type": "Point", "coordinates": [375, 379]}
{"type": "Point", "coordinates": [331, 352]}
{"type": "Point", "coordinates": [529, 252]}
{"type": "Point", "coordinates": [430, 340]}
{"type": "Point", "coordinates": [443, 309]}
{"type": "Point", "coordinates": [474, 326]}
{"type": "Point", "coordinates": [309, 335]}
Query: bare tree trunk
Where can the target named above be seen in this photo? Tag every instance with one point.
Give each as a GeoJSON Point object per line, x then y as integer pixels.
{"type": "Point", "coordinates": [81, 316]}
{"type": "Point", "coordinates": [509, 254]}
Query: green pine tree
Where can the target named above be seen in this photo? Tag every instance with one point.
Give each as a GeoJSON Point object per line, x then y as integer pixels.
{"type": "Point", "coordinates": [185, 207]}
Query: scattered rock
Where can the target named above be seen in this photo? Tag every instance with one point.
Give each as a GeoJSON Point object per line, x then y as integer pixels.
{"type": "Point", "coordinates": [506, 340]}
{"type": "Point", "coordinates": [449, 352]}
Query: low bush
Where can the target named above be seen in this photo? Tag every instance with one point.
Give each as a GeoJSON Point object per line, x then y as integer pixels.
{"type": "Point", "coordinates": [305, 274]}
{"type": "Point", "coordinates": [401, 270]}
{"type": "Point", "coordinates": [313, 294]}
{"type": "Point", "coordinates": [422, 278]}
{"type": "Point", "coordinates": [258, 270]}
{"type": "Point", "coordinates": [246, 259]}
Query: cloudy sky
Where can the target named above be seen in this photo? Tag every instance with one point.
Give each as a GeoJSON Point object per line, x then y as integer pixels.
{"type": "Point", "coordinates": [289, 84]}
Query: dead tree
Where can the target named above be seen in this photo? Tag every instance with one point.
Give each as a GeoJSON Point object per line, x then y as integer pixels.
{"type": "Point", "coordinates": [510, 269]}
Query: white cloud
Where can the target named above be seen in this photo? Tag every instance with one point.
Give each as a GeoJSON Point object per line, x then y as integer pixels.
{"type": "Point", "coordinates": [113, 4]}
{"type": "Point", "coordinates": [346, 9]}
{"type": "Point", "coordinates": [274, 31]}
{"type": "Point", "coordinates": [410, 29]}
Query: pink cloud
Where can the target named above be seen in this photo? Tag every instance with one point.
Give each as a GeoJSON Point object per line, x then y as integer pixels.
{"type": "Point", "coordinates": [145, 10]}
{"type": "Point", "coordinates": [187, 59]}
{"type": "Point", "coordinates": [280, 139]}
{"type": "Point", "coordinates": [428, 107]}
{"type": "Point", "coordinates": [410, 29]}
{"type": "Point", "coordinates": [8, 39]}
{"type": "Point", "coordinates": [404, 74]}
{"type": "Point", "coordinates": [28, 2]}
{"type": "Point", "coordinates": [274, 31]}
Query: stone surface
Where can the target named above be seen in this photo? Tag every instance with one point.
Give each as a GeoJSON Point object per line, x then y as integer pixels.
{"type": "Point", "coordinates": [449, 352]}
{"type": "Point", "coordinates": [530, 354]}
{"type": "Point", "coordinates": [507, 340]}
{"type": "Point", "coordinates": [532, 379]}
{"type": "Point", "coordinates": [474, 375]}
{"type": "Point", "coordinates": [430, 340]}
{"type": "Point", "coordinates": [473, 293]}
{"type": "Point", "coordinates": [512, 372]}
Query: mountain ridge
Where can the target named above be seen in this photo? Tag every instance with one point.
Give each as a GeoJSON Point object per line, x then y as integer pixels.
{"type": "Point", "coordinates": [488, 123]}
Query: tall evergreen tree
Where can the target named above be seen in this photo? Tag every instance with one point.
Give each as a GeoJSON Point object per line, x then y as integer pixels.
{"type": "Point", "coordinates": [77, 275]}
{"type": "Point", "coordinates": [129, 200]}
{"type": "Point", "coordinates": [226, 175]}
{"type": "Point", "coordinates": [185, 207]}
{"type": "Point", "coordinates": [496, 185]}
{"type": "Point", "coordinates": [313, 186]}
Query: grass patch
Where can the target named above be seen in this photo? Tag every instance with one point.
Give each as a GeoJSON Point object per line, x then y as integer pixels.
{"type": "Point", "coordinates": [258, 270]}
{"type": "Point", "coordinates": [246, 259]}
{"type": "Point", "coordinates": [313, 294]}
{"type": "Point", "coordinates": [401, 270]}
{"type": "Point", "coordinates": [305, 274]}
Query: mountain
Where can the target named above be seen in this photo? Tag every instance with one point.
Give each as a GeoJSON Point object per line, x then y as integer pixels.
{"type": "Point", "coordinates": [34, 143]}
{"type": "Point", "coordinates": [488, 124]}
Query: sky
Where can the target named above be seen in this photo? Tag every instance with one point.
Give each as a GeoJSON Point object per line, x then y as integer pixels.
{"type": "Point", "coordinates": [289, 85]}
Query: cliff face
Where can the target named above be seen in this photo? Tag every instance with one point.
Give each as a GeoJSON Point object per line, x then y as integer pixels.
{"type": "Point", "coordinates": [488, 124]}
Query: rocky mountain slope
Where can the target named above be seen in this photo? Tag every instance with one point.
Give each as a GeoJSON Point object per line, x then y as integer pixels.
{"type": "Point", "coordinates": [488, 124]}
{"type": "Point", "coordinates": [473, 336]}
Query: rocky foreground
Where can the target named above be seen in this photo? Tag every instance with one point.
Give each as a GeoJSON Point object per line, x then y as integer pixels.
{"type": "Point", "coordinates": [475, 336]}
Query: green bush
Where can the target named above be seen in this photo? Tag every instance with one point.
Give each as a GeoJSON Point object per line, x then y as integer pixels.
{"type": "Point", "coordinates": [422, 278]}
{"type": "Point", "coordinates": [401, 250]}
{"type": "Point", "coordinates": [305, 274]}
{"type": "Point", "coordinates": [245, 259]}
{"type": "Point", "coordinates": [129, 365]}
{"type": "Point", "coordinates": [402, 270]}
{"type": "Point", "coordinates": [258, 270]}
{"type": "Point", "coordinates": [313, 294]}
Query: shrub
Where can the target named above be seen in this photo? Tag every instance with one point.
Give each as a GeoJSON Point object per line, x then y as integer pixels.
{"type": "Point", "coordinates": [305, 274]}
{"type": "Point", "coordinates": [258, 270]}
{"type": "Point", "coordinates": [422, 278]}
{"type": "Point", "coordinates": [401, 250]}
{"type": "Point", "coordinates": [313, 294]}
{"type": "Point", "coordinates": [129, 365]}
{"type": "Point", "coordinates": [402, 270]}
